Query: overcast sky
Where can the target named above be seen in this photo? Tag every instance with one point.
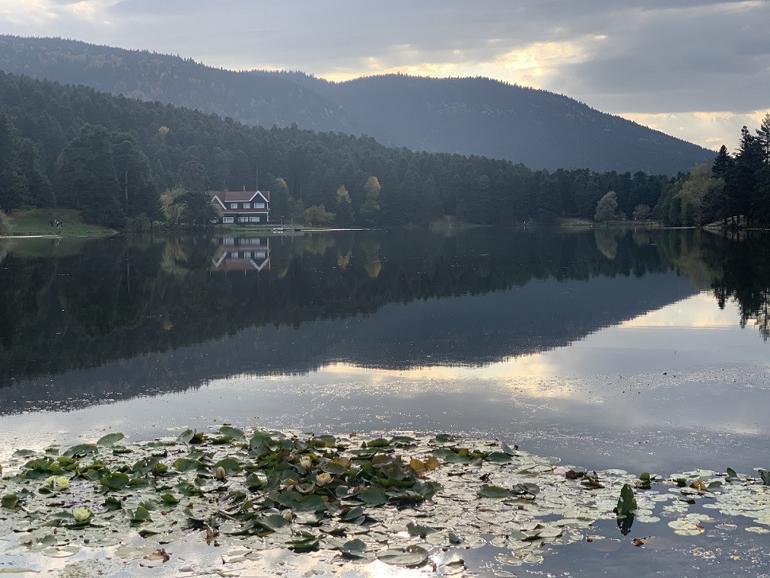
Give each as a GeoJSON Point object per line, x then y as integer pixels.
{"type": "Point", "coordinates": [697, 69]}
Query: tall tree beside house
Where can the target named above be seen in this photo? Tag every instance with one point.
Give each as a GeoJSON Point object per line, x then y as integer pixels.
{"type": "Point", "coordinates": [86, 179]}
{"type": "Point", "coordinates": [197, 209]}
{"type": "Point", "coordinates": [607, 208]}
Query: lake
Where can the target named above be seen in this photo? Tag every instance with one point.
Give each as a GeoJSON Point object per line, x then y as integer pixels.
{"type": "Point", "coordinates": [640, 350]}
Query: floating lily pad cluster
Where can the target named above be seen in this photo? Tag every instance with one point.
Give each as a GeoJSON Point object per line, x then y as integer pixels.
{"type": "Point", "coordinates": [400, 499]}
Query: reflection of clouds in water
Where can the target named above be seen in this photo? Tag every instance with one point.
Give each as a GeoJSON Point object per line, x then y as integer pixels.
{"type": "Point", "coordinates": [699, 311]}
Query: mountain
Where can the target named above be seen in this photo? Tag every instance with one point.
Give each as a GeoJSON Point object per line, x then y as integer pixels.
{"type": "Point", "coordinates": [470, 116]}
{"type": "Point", "coordinates": [110, 156]}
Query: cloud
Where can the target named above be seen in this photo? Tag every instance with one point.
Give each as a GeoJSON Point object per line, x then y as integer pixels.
{"type": "Point", "coordinates": [711, 129]}
{"type": "Point", "coordinates": [646, 58]}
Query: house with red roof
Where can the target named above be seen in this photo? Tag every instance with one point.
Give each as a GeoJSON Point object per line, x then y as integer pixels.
{"type": "Point", "coordinates": [242, 207]}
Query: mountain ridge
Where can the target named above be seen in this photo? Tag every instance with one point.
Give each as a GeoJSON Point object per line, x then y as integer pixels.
{"type": "Point", "coordinates": [470, 115]}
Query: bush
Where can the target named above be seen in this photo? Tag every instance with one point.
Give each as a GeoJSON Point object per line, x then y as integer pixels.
{"type": "Point", "coordinates": [318, 215]}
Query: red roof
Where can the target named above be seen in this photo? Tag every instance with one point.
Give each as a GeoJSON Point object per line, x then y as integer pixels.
{"type": "Point", "coordinates": [238, 196]}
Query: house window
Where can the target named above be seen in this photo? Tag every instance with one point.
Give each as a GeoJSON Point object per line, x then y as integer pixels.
{"type": "Point", "coordinates": [227, 219]}
{"type": "Point", "coordinates": [246, 205]}
{"type": "Point", "coordinates": [259, 205]}
{"type": "Point", "coordinates": [233, 205]}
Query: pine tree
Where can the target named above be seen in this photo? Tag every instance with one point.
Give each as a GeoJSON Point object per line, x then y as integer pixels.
{"type": "Point", "coordinates": [86, 179]}
{"type": "Point", "coordinates": [742, 178]}
{"type": "Point", "coordinates": [763, 136]}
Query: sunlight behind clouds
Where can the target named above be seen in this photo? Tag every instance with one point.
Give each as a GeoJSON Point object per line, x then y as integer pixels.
{"type": "Point", "coordinates": [709, 128]}
{"type": "Point", "coordinates": [530, 65]}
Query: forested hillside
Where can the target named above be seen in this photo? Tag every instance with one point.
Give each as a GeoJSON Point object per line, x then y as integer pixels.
{"type": "Point", "coordinates": [111, 157]}
{"type": "Point", "coordinates": [473, 116]}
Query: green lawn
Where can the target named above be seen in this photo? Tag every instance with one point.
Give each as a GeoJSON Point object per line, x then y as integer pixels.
{"type": "Point", "coordinates": [37, 222]}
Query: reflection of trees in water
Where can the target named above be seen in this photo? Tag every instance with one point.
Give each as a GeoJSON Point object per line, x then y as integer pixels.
{"type": "Point", "coordinates": [121, 298]}
{"type": "Point", "coordinates": [745, 278]}
{"type": "Point", "coordinates": [607, 241]}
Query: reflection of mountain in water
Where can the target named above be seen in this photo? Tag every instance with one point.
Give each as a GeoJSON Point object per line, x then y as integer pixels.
{"type": "Point", "coordinates": [125, 319]}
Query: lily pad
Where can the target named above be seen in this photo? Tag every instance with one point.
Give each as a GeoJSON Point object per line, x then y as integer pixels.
{"type": "Point", "coordinates": [411, 556]}
{"type": "Point", "coordinates": [110, 439]}
{"type": "Point", "coordinates": [495, 492]}
{"type": "Point", "coordinates": [354, 548]}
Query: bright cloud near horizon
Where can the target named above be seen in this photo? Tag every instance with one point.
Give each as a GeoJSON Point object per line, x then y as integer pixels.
{"type": "Point", "coordinates": [696, 69]}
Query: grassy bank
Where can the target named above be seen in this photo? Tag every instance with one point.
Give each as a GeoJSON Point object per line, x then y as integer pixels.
{"type": "Point", "coordinates": [34, 222]}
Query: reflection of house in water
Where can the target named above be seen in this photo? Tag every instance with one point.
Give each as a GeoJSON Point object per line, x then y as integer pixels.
{"type": "Point", "coordinates": [242, 254]}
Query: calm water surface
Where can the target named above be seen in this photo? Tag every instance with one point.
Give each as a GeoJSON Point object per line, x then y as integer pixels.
{"type": "Point", "coordinates": [639, 350]}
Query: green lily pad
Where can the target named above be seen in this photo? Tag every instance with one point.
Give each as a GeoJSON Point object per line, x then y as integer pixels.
{"type": "Point", "coordinates": [411, 556]}
{"type": "Point", "coordinates": [80, 451]}
{"type": "Point", "coordinates": [373, 496]}
{"type": "Point", "coordinates": [10, 501]}
{"type": "Point", "coordinates": [110, 439]}
{"type": "Point", "coordinates": [353, 549]}
{"type": "Point", "coordinates": [496, 492]}
{"type": "Point", "coordinates": [232, 432]}
{"type": "Point", "coordinates": [115, 481]}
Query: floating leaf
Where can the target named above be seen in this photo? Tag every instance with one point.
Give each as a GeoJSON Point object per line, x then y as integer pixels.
{"type": "Point", "coordinates": [110, 439]}
{"type": "Point", "coordinates": [411, 556]}
{"type": "Point", "coordinates": [115, 481]}
{"type": "Point", "coordinates": [373, 496]}
{"type": "Point", "coordinates": [10, 501]}
{"type": "Point", "coordinates": [421, 531]}
{"type": "Point", "coordinates": [169, 499]}
{"type": "Point", "coordinates": [229, 465]}
{"type": "Point", "coordinates": [354, 549]}
{"type": "Point", "coordinates": [140, 515]}
{"type": "Point", "coordinates": [232, 432]}
{"type": "Point", "coordinates": [80, 451]}
{"type": "Point", "coordinates": [495, 492]}
{"type": "Point", "coordinates": [303, 542]}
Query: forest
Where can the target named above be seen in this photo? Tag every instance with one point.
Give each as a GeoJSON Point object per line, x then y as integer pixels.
{"type": "Point", "coordinates": [122, 161]}
{"type": "Point", "coordinates": [733, 192]}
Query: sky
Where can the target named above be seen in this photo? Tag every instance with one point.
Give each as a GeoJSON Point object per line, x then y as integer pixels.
{"type": "Point", "coordinates": [696, 69]}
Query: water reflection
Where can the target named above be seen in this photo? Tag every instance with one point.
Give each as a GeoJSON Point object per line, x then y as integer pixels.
{"type": "Point", "coordinates": [87, 322]}
{"type": "Point", "coordinates": [242, 255]}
